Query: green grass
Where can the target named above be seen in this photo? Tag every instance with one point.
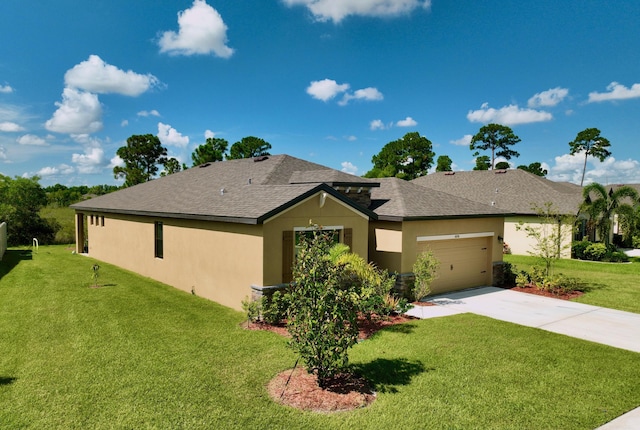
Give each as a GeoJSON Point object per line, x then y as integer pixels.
{"type": "Point", "coordinates": [139, 354]}
{"type": "Point", "coordinates": [64, 218]}
{"type": "Point", "coordinates": [611, 285]}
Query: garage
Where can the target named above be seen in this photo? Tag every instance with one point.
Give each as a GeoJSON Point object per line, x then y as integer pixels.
{"type": "Point", "coordinates": [465, 260]}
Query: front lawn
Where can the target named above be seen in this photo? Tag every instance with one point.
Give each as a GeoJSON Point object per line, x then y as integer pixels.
{"type": "Point", "coordinates": [135, 353]}
{"type": "Point", "coordinates": [610, 285]}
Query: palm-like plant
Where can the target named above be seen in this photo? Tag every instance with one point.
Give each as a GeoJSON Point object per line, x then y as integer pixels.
{"type": "Point", "coordinates": [604, 205]}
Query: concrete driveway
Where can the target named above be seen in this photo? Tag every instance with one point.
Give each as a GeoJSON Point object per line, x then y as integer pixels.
{"type": "Point", "coordinates": [602, 325]}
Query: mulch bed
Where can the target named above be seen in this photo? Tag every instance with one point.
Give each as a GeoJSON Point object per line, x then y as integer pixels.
{"type": "Point", "coordinates": [299, 389]}
{"type": "Point", "coordinates": [533, 290]}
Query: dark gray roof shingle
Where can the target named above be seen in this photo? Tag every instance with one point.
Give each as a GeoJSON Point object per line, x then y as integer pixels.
{"type": "Point", "coordinates": [512, 190]}
{"type": "Point", "coordinates": [398, 199]}
{"type": "Point", "coordinates": [239, 190]}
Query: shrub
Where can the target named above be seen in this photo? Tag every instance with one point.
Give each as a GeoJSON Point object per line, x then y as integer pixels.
{"type": "Point", "coordinates": [522, 279]}
{"type": "Point", "coordinates": [425, 270]}
{"type": "Point", "coordinates": [275, 307]}
{"type": "Point", "coordinates": [251, 308]}
{"type": "Point", "coordinates": [616, 257]}
{"type": "Point", "coordinates": [508, 274]}
{"type": "Point", "coordinates": [323, 313]}
{"type": "Point", "coordinates": [393, 304]}
{"type": "Point", "coordinates": [635, 242]}
{"type": "Point", "coordinates": [578, 247]}
{"type": "Point", "coordinates": [595, 251]}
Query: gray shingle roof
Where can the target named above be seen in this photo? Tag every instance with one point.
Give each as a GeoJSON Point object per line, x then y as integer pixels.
{"type": "Point", "coordinates": [512, 190]}
{"type": "Point", "coordinates": [397, 199]}
{"type": "Point", "coordinates": [236, 190]}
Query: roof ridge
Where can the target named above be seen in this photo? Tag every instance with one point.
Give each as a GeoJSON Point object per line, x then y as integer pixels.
{"type": "Point", "coordinates": [274, 169]}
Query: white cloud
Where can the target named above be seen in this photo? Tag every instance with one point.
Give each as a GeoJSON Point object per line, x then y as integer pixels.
{"type": "Point", "coordinates": [368, 94]}
{"type": "Point", "coordinates": [463, 141]}
{"type": "Point", "coordinates": [616, 91]}
{"type": "Point", "coordinates": [407, 122]}
{"type": "Point", "coordinates": [568, 168]}
{"type": "Point", "coordinates": [551, 97]}
{"type": "Point", "coordinates": [52, 171]}
{"type": "Point", "coordinates": [115, 161]}
{"type": "Point", "coordinates": [8, 126]}
{"type": "Point", "coordinates": [96, 76]}
{"type": "Point", "coordinates": [6, 89]}
{"type": "Point", "coordinates": [170, 136]}
{"type": "Point", "coordinates": [3, 153]}
{"type": "Point", "coordinates": [92, 161]}
{"type": "Point", "coordinates": [348, 167]}
{"type": "Point", "coordinates": [208, 134]}
{"type": "Point", "coordinates": [124, 123]}
{"type": "Point", "coordinates": [352, 138]}
{"type": "Point", "coordinates": [31, 139]}
{"type": "Point", "coordinates": [145, 113]}
{"type": "Point", "coordinates": [337, 10]}
{"type": "Point", "coordinates": [202, 31]}
{"type": "Point", "coordinates": [79, 112]}
{"type": "Point", "coordinates": [326, 89]}
{"type": "Point", "coordinates": [377, 124]}
{"type": "Point", "coordinates": [507, 115]}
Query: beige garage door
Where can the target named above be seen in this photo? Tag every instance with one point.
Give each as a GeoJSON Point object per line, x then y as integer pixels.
{"type": "Point", "coordinates": [464, 263]}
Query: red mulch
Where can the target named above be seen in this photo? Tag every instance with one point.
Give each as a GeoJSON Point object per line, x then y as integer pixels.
{"type": "Point", "coordinates": [299, 389]}
{"type": "Point", "coordinates": [533, 290]}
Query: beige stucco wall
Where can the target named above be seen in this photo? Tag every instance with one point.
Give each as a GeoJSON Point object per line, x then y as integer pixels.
{"type": "Point", "coordinates": [218, 261]}
{"type": "Point", "coordinates": [330, 213]}
{"type": "Point", "coordinates": [521, 244]}
{"type": "Point", "coordinates": [402, 260]}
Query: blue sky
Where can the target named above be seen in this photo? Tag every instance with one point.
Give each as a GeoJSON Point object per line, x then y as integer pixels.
{"type": "Point", "coordinates": [331, 81]}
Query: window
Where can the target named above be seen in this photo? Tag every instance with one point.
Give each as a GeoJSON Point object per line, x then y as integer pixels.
{"type": "Point", "coordinates": [291, 241]}
{"type": "Point", "coordinates": [158, 240]}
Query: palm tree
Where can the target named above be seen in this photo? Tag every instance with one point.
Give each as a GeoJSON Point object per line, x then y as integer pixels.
{"type": "Point", "coordinates": [590, 141]}
{"type": "Point", "coordinates": [605, 205]}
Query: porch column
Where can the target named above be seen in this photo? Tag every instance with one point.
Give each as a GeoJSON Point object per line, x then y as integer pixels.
{"type": "Point", "coordinates": [80, 238]}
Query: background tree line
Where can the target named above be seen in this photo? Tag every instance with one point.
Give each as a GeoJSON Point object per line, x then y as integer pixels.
{"type": "Point", "coordinates": [33, 211]}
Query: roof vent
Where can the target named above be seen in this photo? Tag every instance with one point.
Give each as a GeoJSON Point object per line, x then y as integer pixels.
{"type": "Point", "coordinates": [499, 172]}
{"type": "Point", "coordinates": [493, 203]}
{"type": "Point", "coordinates": [249, 182]}
{"type": "Point", "coordinates": [204, 165]}
{"type": "Point", "coordinates": [261, 158]}
{"type": "Point", "coordinates": [222, 191]}
{"type": "Point", "coordinates": [449, 173]}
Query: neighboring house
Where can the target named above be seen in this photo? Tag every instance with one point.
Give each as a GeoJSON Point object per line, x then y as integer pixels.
{"type": "Point", "coordinates": [515, 191]}
{"type": "Point", "coordinates": [219, 229]}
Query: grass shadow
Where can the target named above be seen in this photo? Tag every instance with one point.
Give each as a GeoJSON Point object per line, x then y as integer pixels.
{"type": "Point", "coordinates": [6, 380]}
{"type": "Point", "coordinates": [386, 375]}
{"type": "Point", "coordinates": [13, 257]}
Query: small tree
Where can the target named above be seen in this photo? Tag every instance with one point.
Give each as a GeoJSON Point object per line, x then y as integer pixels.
{"type": "Point", "coordinates": [604, 206]}
{"type": "Point", "coordinates": [444, 164]}
{"type": "Point", "coordinates": [551, 237]}
{"type": "Point", "coordinates": [535, 168]}
{"type": "Point", "coordinates": [590, 141]}
{"type": "Point", "coordinates": [406, 158]}
{"type": "Point", "coordinates": [483, 162]}
{"type": "Point", "coordinates": [425, 270]}
{"type": "Point", "coordinates": [497, 138]}
{"type": "Point", "coordinates": [214, 149]}
{"type": "Point", "coordinates": [324, 310]}
{"type": "Point", "coordinates": [249, 147]}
